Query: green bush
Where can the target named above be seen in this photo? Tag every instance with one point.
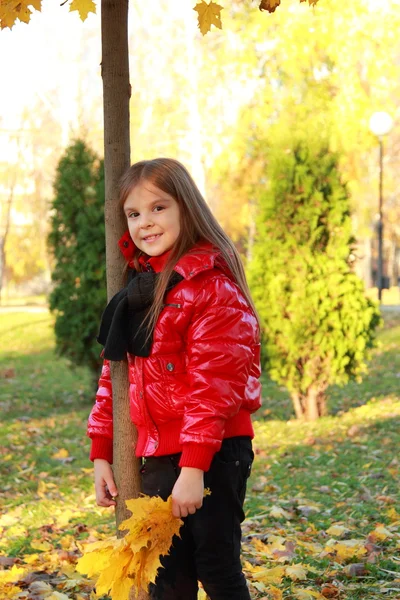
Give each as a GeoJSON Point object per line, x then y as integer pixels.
{"type": "Point", "coordinates": [77, 242]}
{"type": "Point", "coordinates": [317, 324]}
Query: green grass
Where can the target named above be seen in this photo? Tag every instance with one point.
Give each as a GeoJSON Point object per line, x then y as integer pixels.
{"type": "Point", "coordinates": [342, 469]}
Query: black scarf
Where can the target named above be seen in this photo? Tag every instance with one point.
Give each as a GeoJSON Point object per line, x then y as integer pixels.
{"type": "Point", "coordinates": [122, 329]}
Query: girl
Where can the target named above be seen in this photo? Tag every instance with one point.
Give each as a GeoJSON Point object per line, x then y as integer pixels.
{"type": "Point", "coordinates": [188, 328]}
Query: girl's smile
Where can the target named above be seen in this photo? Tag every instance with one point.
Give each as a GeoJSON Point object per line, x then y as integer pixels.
{"type": "Point", "coordinates": [153, 219]}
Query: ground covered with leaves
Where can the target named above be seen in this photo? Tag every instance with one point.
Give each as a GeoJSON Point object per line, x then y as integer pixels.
{"type": "Point", "coordinates": [323, 500]}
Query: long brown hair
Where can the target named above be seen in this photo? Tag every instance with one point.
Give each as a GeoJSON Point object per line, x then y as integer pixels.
{"type": "Point", "coordinates": [196, 223]}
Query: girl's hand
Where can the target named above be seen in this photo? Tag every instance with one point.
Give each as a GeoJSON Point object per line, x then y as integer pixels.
{"type": "Point", "coordinates": [104, 483]}
{"type": "Point", "coordinates": [188, 491]}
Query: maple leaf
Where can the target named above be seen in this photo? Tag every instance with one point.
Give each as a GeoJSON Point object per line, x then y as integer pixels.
{"type": "Point", "coordinates": [274, 593]}
{"type": "Point", "coordinates": [135, 559]}
{"type": "Point", "coordinates": [208, 14]}
{"type": "Point", "coordinates": [273, 575]}
{"type": "Point", "coordinates": [307, 594]}
{"type": "Point", "coordinates": [297, 572]}
{"type": "Point", "coordinates": [337, 530]}
{"type": "Point", "coordinates": [12, 10]}
{"type": "Point", "coordinates": [270, 5]}
{"type": "Point", "coordinates": [84, 7]}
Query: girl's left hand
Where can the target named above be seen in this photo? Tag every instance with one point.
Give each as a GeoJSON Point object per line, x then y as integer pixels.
{"type": "Point", "coordinates": [188, 492]}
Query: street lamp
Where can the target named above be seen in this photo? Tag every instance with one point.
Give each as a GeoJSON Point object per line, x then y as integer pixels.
{"type": "Point", "coordinates": [380, 124]}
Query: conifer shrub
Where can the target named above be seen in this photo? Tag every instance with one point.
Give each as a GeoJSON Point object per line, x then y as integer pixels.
{"type": "Point", "coordinates": [317, 324]}
{"type": "Point", "coordinates": [77, 242]}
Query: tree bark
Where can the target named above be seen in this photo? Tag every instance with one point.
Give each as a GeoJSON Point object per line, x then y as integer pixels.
{"type": "Point", "coordinates": [298, 406]}
{"type": "Point", "coordinates": [310, 406]}
{"type": "Point", "coordinates": [116, 95]}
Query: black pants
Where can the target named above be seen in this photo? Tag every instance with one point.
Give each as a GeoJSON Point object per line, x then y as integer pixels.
{"type": "Point", "coordinates": [209, 547]}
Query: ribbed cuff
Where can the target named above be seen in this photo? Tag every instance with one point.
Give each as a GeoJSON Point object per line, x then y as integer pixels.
{"type": "Point", "coordinates": [197, 456]}
{"type": "Point", "coordinates": [101, 448]}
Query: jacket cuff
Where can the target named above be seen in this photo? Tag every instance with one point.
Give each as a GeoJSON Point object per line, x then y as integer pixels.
{"type": "Point", "coordinates": [102, 448]}
{"type": "Point", "coordinates": [197, 456]}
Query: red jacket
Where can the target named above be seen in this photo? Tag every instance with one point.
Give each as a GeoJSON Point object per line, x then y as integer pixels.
{"type": "Point", "coordinates": [200, 383]}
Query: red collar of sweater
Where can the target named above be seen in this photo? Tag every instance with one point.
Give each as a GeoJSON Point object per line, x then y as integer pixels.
{"type": "Point", "coordinates": [201, 257]}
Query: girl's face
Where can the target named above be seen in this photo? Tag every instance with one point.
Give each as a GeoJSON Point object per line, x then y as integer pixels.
{"type": "Point", "coordinates": [153, 218]}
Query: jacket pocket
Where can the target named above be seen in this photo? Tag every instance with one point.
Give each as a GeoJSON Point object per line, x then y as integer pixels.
{"type": "Point", "coordinates": [173, 377]}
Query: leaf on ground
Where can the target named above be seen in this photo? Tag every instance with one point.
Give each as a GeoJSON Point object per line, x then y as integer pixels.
{"type": "Point", "coordinates": [62, 453]}
{"type": "Point", "coordinates": [297, 572]}
{"type": "Point", "coordinates": [307, 594]}
{"type": "Point", "coordinates": [337, 530]}
{"type": "Point", "coordinates": [277, 512]}
{"type": "Point", "coordinates": [345, 550]}
{"type": "Point", "coordinates": [272, 575]}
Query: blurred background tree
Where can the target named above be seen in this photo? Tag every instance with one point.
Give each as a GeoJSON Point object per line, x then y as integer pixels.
{"type": "Point", "coordinates": [77, 243]}
{"type": "Point", "coordinates": [317, 324]}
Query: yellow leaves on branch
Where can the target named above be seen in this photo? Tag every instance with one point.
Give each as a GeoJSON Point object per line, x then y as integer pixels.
{"type": "Point", "coordinates": [135, 559]}
{"type": "Point", "coordinates": [207, 13]}
{"type": "Point", "coordinates": [11, 10]}
{"type": "Point", "coordinates": [20, 10]}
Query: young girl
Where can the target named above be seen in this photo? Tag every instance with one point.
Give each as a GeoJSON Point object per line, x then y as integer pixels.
{"type": "Point", "coordinates": [188, 328]}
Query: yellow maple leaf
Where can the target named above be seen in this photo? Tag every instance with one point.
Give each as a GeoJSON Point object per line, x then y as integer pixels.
{"type": "Point", "coordinates": [12, 575]}
{"type": "Point", "coordinates": [135, 559]}
{"type": "Point", "coordinates": [96, 557]}
{"type": "Point", "coordinates": [84, 7]}
{"type": "Point", "coordinates": [345, 550]}
{"type": "Point", "coordinates": [270, 5]}
{"type": "Point", "coordinates": [41, 545]}
{"type": "Point", "coordinates": [337, 530]}
{"type": "Point", "coordinates": [151, 524]}
{"type": "Point", "coordinates": [62, 453]}
{"type": "Point", "coordinates": [12, 10]}
{"type": "Point", "coordinates": [277, 512]}
{"type": "Point", "coordinates": [380, 533]}
{"type": "Point", "coordinates": [297, 572]}
{"type": "Point", "coordinates": [207, 15]}
{"type": "Point", "coordinates": [307, 594]}
{"type": "Point", "coordinates": [274, 593]}
{"type": "Point", "coordinates": [273, 575]}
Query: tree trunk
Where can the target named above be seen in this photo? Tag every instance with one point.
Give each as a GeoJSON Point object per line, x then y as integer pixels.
{"type": "Point", "coordinates": [310, 406]}
{"type": "Point", "coordinates": [312, 412]}
{"type": "Point", "coordinates": [116, 95]}
{"type": "Point", "coordinates": [298, 406]}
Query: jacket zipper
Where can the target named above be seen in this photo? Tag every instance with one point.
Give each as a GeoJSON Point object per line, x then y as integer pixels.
{"type": "Point", "coordinates": [173, 305]}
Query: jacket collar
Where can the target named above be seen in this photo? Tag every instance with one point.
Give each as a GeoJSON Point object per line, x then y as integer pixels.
{"type": "Point", "coordinates": [202, 257]}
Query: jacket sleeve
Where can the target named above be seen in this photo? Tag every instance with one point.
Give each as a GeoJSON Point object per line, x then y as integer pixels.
{"type": "Point", "coordinates": [100, 423]}
{"type": "Point", "coordinates": [222, 341]}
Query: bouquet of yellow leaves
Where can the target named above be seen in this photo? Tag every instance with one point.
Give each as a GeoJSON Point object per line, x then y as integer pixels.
{"type": "Point", "coordinates": [135, 559]}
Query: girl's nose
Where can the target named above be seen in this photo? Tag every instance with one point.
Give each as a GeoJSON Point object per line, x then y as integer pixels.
{"type": "Point", "coordinates": [145, 221]}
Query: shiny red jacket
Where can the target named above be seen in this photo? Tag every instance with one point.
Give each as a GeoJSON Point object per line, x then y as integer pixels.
{"type": "Point", "coordinates": [201, 381]}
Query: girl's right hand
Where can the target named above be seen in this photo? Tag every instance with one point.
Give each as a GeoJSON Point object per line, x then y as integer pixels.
{"type": "Point", "coordinates": [104, 483]}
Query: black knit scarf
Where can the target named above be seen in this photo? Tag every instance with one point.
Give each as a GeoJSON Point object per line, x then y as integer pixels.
{"type": "Point", "coordinates": [122, 329]}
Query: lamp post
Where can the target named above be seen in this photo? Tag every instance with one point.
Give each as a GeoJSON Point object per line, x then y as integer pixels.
{"type": "Point", "coordinates": [380, 124]}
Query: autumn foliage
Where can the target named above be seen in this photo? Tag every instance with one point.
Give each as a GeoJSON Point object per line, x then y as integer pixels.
{"type": "Point", "coordinates": [208, 13]}
{"type": "Point", "coordinates": [135, 559]}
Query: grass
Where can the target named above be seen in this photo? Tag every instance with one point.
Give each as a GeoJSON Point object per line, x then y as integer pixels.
{"type": "Point", "coordinates": [342, 470]}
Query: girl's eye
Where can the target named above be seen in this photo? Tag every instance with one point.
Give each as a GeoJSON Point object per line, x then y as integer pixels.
{"type": "Point", "coordinates": [158, 208]}
{"type": "Point", "coordinates": [132, 215]}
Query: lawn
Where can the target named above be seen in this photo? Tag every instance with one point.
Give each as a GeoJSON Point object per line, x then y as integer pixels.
{"type": "Point", "coordinates": [323, 500]}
